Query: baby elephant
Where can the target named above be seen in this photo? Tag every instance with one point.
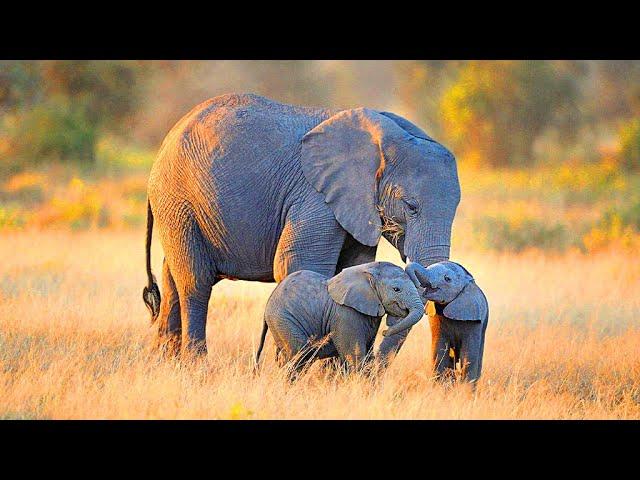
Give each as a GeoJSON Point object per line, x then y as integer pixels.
{"type": "Point", "coordinates": [459, 324]}
{"type": "Point", "coordinates": [313, 317]}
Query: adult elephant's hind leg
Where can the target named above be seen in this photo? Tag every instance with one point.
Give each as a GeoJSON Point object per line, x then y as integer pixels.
{"type": "Point", "coordinates": [169, 323]}
{"type": "Point", "coordinates": [194, 275]}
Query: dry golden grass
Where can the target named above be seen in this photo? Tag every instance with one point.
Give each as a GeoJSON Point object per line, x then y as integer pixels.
{"type": "Point", "coordinates": [75, 340]}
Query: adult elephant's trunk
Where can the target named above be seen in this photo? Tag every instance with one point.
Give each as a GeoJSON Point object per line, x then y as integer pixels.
{"type": "Point", "coordinates": [416, 312]}
{"type": "Point", "coordinates": [429, 245]}
{"type": "Point", "coordinates": [436, 253]}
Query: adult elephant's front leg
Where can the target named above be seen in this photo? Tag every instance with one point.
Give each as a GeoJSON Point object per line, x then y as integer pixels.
{"type": "Point", "coordinates": [311, 240]}
{"type": "Point", "coordinates": [354, 253]}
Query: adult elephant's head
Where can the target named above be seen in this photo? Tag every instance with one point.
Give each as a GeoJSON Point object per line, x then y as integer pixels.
{"type": "Point", "coordinates": [381, 174]}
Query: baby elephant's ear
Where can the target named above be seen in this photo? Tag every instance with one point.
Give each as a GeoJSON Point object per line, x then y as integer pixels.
{"type": "Point", "coordinates": [471, 304]}
{"type": "Point", "coordinates": [354, 288]}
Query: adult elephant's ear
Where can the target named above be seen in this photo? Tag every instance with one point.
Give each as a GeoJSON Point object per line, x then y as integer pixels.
{"type": "Point", "coordinates": [408, 126]}
{"type": "Point", "coordinates": [470, 305]}
{"type": "Point", "coordinates": [341, 158]}
{"type": "Point", "coordinates": [354, 287]}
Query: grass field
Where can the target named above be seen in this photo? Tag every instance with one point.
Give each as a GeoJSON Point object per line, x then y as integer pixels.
{"type": "Point", "coordinates": [75, 339]}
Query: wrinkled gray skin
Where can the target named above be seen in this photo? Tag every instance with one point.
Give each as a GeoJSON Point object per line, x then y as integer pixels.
{"type": "Point", "coordinates": [247, 188]}
{"type": "Point", "coordinates": [306, 307]}
{"type": "Point", "coordinates": [460, 322]}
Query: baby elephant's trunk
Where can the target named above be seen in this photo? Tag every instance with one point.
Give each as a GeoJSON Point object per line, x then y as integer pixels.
{"type": "Point", "coordinates": [415, 314]}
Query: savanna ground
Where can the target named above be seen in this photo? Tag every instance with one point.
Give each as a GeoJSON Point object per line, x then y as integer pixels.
{"type": "Point", "coordinates": [556, 251]}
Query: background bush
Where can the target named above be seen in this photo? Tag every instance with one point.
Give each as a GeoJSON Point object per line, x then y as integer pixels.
{"type": "Point", "coordinates": [491, 113]}
{"type": "Point", "coordinates": [503, 233]}
{"type": "Point", "coordinates": [57, 110]}
{"type": "Point", "coordinates": [55, 130]}
{"type": "Point", "coordinates": [548, 151]}
{"type": "Point", "coordinates": [630, 144]}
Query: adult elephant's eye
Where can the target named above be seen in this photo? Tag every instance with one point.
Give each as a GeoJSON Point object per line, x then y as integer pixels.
{"type": "Point", "coordinates": [447, 278]}
{"type": "Point", "coordinates": [396, 289]}
{"type": "Point", "coordinates": [412, 206]}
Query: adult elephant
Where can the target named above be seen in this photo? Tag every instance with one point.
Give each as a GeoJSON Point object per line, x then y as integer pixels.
{"type": "Point", "coordinates": [247, 188]}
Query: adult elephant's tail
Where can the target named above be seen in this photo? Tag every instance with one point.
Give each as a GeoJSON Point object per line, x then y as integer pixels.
{"type": "Point", "coordinates": [151, 293]}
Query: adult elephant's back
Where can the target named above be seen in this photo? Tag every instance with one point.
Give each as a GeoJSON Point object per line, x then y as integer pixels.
{"type": "Point", "coordinates": [227, 170]}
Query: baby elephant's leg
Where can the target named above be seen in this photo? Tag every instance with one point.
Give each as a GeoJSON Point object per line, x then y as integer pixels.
{"type": "Point", "coordinates": [482, 335]}
{"type": "Point", "coordinates": [471, 347]}
{"type": "Point", "coordinates": [391, 345]}
{"type": "Point", "coordinates": [305, 355]}
{"type": "Point", "coordinates": [441, 345]}
{"type": "Point", "coordinates": [293, 345]}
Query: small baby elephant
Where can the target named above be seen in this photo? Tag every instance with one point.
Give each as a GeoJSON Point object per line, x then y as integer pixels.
{"type": "Point", "coordinates": [460, 322]}
{"type": "Point", "coordinates": [344, 311]}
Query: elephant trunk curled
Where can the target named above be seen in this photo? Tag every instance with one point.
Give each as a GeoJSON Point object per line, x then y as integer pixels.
{"type": "Point", "coordinates": [417, 273]}
{"type": "Point", "coordinates": [416, 311]}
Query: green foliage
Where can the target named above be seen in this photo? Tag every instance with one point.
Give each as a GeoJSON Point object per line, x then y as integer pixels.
{"type": "Point", "coordinates": [104, 90]}
{"type": "Point", "coordinates": [618, 225]}
{"type": "Point", "coordinates": [56, 110]}
{"type": "Point", "coordinates": [630, 144]}
{"type": "Point", "coordinates": [421, 86]}
{"type": "Point", "coordinates": [503, 233]}
{"type": "Point", "coordinates": [616, 93]}
{"type": "Point", "coordinates": [499, 113]}
{"type": "Point", "coordinates": [10, 217]}
{"type": "Point", "coordinates": [115, 157]}
{"type": "Point", "coordinates": [495, 111]}
{"type": "Point", "coordinates": [55, 130]}
{"type": "Point", "coordinates": [627, 214]}
{"type": "Point", "coordinates": [19, 84]}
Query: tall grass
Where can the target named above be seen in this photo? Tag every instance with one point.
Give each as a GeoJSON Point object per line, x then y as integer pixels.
{"type": "Point", "coordinates": [75, 342]}
{"type": "Point", "coordinates": [554, 249]}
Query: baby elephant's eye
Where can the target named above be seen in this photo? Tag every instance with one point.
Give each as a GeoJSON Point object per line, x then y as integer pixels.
{"type": "Point", "coordinates": [447, 278]}
{"type": "Point", "coordinates": [396, 289]}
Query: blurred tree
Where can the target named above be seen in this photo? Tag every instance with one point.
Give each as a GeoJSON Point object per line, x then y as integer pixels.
{"type": "Point", "coordinates": [19, 84]}
{"type": "Point", "coordinates": [630, 144]}
{"type": "Point", "coordinates": [499, 113]}
{"type": "Point", "coordinates": [56, 110]}
{"type": "Point", "coordinates": [55, 129]}
{"type": "Point", "coordinates": [494, 112]}
{"type": "Point", "coordinates": [421, 85]}
{"type": "Point", "coordinates": [616, 90]}
{"type": "Point", "coordinates": [105, 90]}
